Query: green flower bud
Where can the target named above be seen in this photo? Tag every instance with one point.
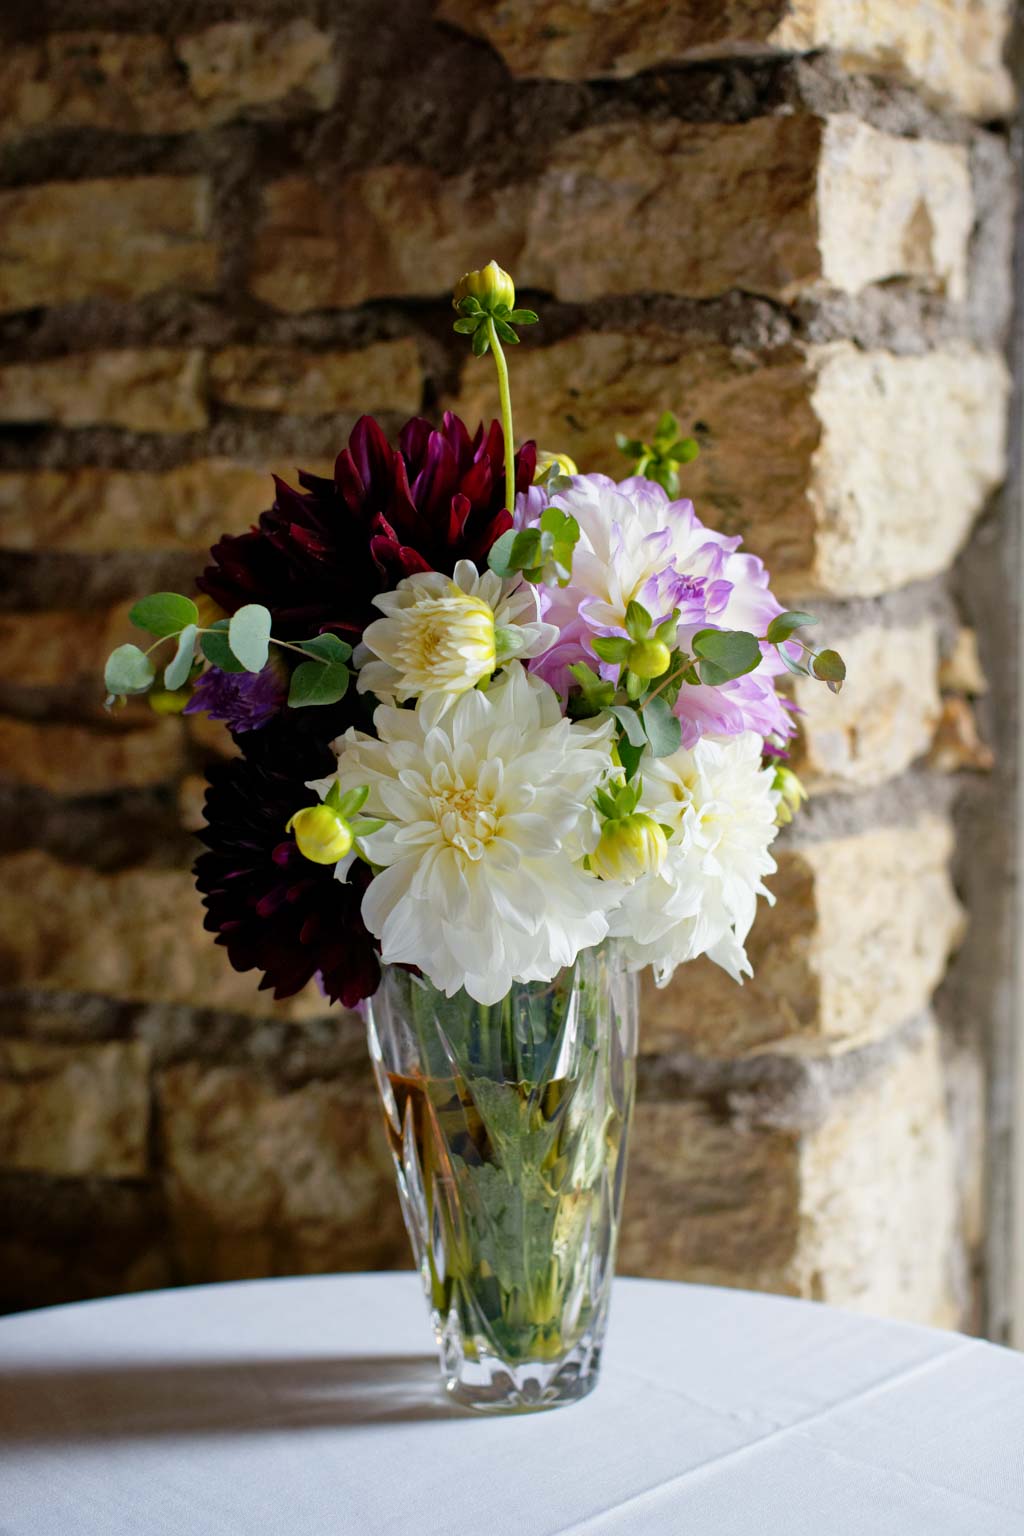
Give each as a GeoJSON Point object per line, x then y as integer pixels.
{"type": "Point", "coordinates": [649, 658]}
{"type": "Point", "coordinates": [490, 285]}
{"type": "Point", "coordinates": [792, 792]}
{"type": "Point", "coordinates": [559, 461]}
{"type": "Point", "coordinates": [323, 836]}
{"type": "Point", "coordinates": [168, 702]}
{"type": "Point", "coordinates": [630, 847]}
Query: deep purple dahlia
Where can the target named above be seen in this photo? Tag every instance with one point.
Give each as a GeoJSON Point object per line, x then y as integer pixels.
{"type": "Point", "coordinates": [246, 701]}
{"type": "Point", "coordinates": [273, 910]}
{"type": "Point", "coordinates": [321, 553]}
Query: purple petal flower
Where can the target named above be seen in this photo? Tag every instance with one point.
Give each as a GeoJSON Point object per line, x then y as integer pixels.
{"type": "Point", "coordinates": [244, 700]}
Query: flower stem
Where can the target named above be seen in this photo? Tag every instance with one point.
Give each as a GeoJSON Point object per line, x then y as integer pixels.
{"type": "Point", "coordinates": [506, 414]}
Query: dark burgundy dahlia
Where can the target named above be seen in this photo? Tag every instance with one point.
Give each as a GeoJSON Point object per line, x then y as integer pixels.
{"type": "Point", "coordinates": [321, 553]}
{"type": "Point", "coordinates": [273, 910]}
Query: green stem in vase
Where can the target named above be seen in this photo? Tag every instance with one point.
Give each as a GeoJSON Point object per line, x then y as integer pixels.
{"type": "Point", "coordinates": [505, 399]}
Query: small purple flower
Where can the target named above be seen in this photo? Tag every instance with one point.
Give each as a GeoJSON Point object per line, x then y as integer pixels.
{"type": "Point", "coordinates": [244, 700]}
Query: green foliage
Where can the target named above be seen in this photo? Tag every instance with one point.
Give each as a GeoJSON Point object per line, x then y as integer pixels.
{"type": "Point", "coordinates": [164, 614]}
{"type": "Point", "coordinates": [326, 648]}
{"type": "Point", "coordinates": [543, 555]}
{"type": "Point", "coordinates": [722, 654]}
{"type": "Point", "coordinates": [663, 730]}
{"type": "Point", "coordinates": [830, 667]}
{"type": "Point", "coordinates": [317, 682]}
{"type": "Point", "coordinates": [128, 670]}
{"type": "Point", "coordinates": [215, 647]}
{"type": "Point", "coordinates": [783, 625]}
{"type": "Point", "coordinates": [176, 673]}
{"type": "Point", "coordinates": [476, 318]}
{"type": "Point", "coordinates": [249, 636]}
{"type": "Point", "coordinates": [659, 460]}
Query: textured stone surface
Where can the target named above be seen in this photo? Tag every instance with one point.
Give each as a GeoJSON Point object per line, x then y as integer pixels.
{"type": "Point", "coordinates": [885, 716]}
{"type": "Point", "coordinates": [383, 377]}
{"type": "Point", "coordinates": [159, 389]}
{"type": "Point", "coordinates": [911, 447]}
{"type": "Point", "coordinates": [120, 238]}
{"type": "Point", "coordinates": [70, 1238]}
{"type": "Point", "coordinates": [856, 1211]}
{"type": "Point", "coordinates": [859, 938]}
{"type": "Point", "coordinates": [849, 472]}
{"type": "Point", "coordinates": [74, 1109]}
{"type": "Point", "coordinates": [780, 198]}
{"type": "Point", "coordinates": [42, 650]}
{"type": "Point", "coordinates": [953, 48]}
{"type": "Point", "coordinates": [96, 511]}
{"type": "Point", "coordinates": [265, 1182]}
{"type": "Point", "coordinates": [71, 760]}
{"type": "Point", "coordinates": [135, 933]}
{"type": "Point", "coordinates": [144, 83]}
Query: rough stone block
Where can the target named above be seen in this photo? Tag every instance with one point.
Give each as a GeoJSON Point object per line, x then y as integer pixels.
{"type": "Point", "coordinates": [856, 1209]}
{"type": "Point", "coordinates": [788, 205]}
{"type": "Point", "coordinates": [128, 82]}
{"type": "Point", "coordinates": [156, 389]}
{"type": "Point", "coordinates": [883, 720]}
{"type": "Point", "coordinates": [96, 511]}
{"type": "Point", "coordinates": [153, 946]}
{"type": "Point", "coordinates": [261, 1181]}
{"type": "Point", "coordinates": [857, 942]}
{"type": "Point", "coordinates": [74, 1109]}
{"type": "Point", "coordinates": [120, 238]}
{"type": "Point", "coordinates": [74, 760]}
{"type": "Point", "coordinates": [385, 376]}
{"type": "Point", "coordinates": [953, 49]}
{"type": "Point", "coordinates": [47, 649]}
{"type": "Point", "coordinates": [851, 473]}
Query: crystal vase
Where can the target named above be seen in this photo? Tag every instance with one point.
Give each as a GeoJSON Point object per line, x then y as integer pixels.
{"type": "Point", "coordinates": [508, 1125]}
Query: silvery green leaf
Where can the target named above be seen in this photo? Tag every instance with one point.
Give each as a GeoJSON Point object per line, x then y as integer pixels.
{"type": "Point", "coordinates": [249, 636]}
{"type": "Point", "coordinates": [176, 672]}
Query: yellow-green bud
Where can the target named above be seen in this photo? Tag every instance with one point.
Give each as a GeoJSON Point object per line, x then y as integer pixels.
{"type": "Point", "coordinates": [630, 847]}
{"type": "Point", "coordinates": [491, 285]}
{"type": "Point", "coordinates": [322, 835]}
{"type": "Point", "coordinates": [649, 658]}
{"type": "Point", "coordinates": [792, 792]}
{"type": "Point", "coordinates": [164, 702]}
{"type": "Point", "coordinates": [559, 461]}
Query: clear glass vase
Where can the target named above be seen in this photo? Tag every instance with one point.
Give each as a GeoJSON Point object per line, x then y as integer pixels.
{"type": "Point", "coordinates": [508, 1125]}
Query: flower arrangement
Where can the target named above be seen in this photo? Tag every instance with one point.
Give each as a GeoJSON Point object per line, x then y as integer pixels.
{"type": "Point", "coordinates": [491, 710]}
{"type": "Point", "coordinates": [508, 733]}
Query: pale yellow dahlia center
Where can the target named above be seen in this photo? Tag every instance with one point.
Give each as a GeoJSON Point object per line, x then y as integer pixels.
{"type": "Point", "coordinates": [443, 644]}
{"type": "Point", "coordinates": [466, 815]}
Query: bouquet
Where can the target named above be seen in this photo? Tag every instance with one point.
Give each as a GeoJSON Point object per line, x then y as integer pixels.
{"type": "Point", "coordinates": [510, 732]}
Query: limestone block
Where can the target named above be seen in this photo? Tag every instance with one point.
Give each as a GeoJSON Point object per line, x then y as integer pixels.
{"type": "Point", "coordinates": [884, 718]}
{"type": "Point", "coordinates": [74, 1109]}
{"type": "Point", "coordinates": [74, 760]}
{"type": "Point", "coordinates": [856, 1210]}
{"type": "Point", "coordinates": [849, 472]}
{"type": "Point", "coordinates": [856, 944]}
{"type": "Point", "coordinates": [131, 934]}
{"type": "Point", "coordinates": [385, 376]}
{"type": "Point", "coordinates": [262, 1181]}
{"type": "Point", "coordinates": [788, 205]}
{"type": "Point", "coordinates": [952, 49]}
{"type": "Point", "coordinates": [153, 389]}
{"type": "Point", "coordinates": [121, 238]}
{"type": "Point", "coordinates": [140, 82]}
{"type": "Point", "coordinates": [95, 511]}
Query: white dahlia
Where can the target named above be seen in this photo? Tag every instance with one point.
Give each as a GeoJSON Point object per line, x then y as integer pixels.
{"type": "Point", "coordinates": [720, 805]}
{"type": "Point", "coordinates": [488, 811]}
{"type": "Point", "coordinates": [445, 634]}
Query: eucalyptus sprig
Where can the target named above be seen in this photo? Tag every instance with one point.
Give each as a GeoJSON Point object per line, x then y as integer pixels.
{"type": "Point", "coordinates": [240, 643]}
{"type": "Point", "coordinates": [543, 555]}
{"type": "Point", "coordinates": [659, 460]}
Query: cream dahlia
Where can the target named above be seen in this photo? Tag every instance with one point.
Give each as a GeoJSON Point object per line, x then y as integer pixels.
{"type": "Point", "coordinates": [488, 811]}
{"type": "Point", "coordinates": [442, 634]}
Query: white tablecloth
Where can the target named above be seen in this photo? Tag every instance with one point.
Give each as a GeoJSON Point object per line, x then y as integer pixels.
{"type": "Point", "coordinates": [312, 1408]}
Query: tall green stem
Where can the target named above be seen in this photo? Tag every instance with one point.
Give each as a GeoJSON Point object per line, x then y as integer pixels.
{"type": "Point", "coordinates": [506, 414]}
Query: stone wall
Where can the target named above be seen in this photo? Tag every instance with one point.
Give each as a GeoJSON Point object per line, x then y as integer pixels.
{"type": "Point", "coordinates": [226, 229]}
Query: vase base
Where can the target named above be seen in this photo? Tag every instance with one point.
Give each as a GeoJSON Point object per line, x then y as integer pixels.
{"type": "Point", "coordinates": [531, 1386]}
